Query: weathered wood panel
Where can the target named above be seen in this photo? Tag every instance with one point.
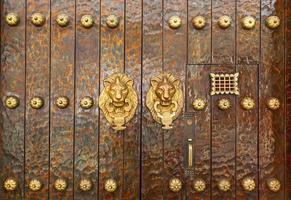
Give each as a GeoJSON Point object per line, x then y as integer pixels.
{"type": "Point", "coordinates": [112, 61]}
{"type": "Point", "coordinates": [223, 141]}
{"type": "Point", "coordinates": [62, 84]}
{"type": "Point", "coordinates": [37, 85]}
{"type": "Point", "coordinates": [247, 40]}
{"type": "Point", "coordinates": [198, 86]}
{"type": "Point", "coordinates": [132, 135]}
{"type": "Point", "coordinates": [199, 40]}
{"type": "Point", "coordinates": [247, 132]}
{"type": "Point", "coordinates": [223, 40]}
{"type": "Point", "coordinates": [87, 85]}
{"type": "Point", "coordinates": [152, 137]}
{"type": "Point", "coordinates": [271, 126]}
{"type": "Point", "coordinates": [12, 83]}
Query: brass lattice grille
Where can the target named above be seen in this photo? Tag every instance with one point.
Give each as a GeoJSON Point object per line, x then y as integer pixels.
{"type": "Point", "coordinates": [224, 84]}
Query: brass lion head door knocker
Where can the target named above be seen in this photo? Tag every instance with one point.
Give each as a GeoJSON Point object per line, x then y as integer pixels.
{"type": "Point", "coordinates": [165, 99]}
{"type": "Point", "coordinates": [118, 100]}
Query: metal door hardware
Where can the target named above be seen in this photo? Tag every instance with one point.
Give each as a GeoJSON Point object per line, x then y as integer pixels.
{"type": "Point", "coordinates": [165, 99]}
{"type": "Point", "coordinates": [118, 100]}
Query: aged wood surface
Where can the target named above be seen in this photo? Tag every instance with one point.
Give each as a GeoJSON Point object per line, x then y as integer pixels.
{"type": "Point", "coordinates": [152, 135]}
{"type": "Point", "coordinates": [12, 83]}
{"type": "Point", "coordinates": [132, 135]}
{"type": "Point", "coordinates": [271, 126]}
{"type": "Point", "coordinates": [87, 85]}
{"type": "Point", "coordinates": [37, 85]}
{"type": "Point", "coordinates": [223, 40]}
{"type": "Point", "coordinates": [247, 41]}
{"type": "Point", "coordinates": [197, 76]}
{"type": "Point", "coordinates": [223, 141]}
{"type": "Point", "coordinates": [199, 41]}
{"type": "Point", "coordinates": [174, 61]}
{"type": "Point", "coordinates": [247, 132]}
{"type": "Point", "coordinates": [111, 61]}
{"type": "Point", "coordinates": [62, 84]}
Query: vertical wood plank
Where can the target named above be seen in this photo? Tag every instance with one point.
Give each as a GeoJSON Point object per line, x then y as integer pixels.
{"type": "Point", "coordinates": [37, 85]}
{"type": "Point", "coordinates": [132, 135]}
{"type": "Point", "coordinates": [248, 41]}
{"type": "Point", "coordinates": [174, 61]}
{"type": "Point", "coordinates": [199, 40]}
{"type": "Point", "coordinates": [112, 61]}
{"type": "Point", "coordinates": [271, 127]}
{"type": "Point", "coordinates": [152, 138]}
{"type": "Point", "coordinates": [247, 132]}
{"type": "Point", "coordinates": [87, 85]}
{"type": "Point", "coordinates": [12, 83]}
{"type": "Point", "coordinates": [223, 40]}
{"type": "Point", "coordinates": [223, 141]}
{"type": "Point", "coordinates": [198, 86]}
{"type": "Point", "coordinates": [62, 84]}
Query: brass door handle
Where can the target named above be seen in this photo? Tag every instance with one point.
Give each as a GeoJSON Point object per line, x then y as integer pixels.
{"type": "Point", "coordinates": [190, 153]}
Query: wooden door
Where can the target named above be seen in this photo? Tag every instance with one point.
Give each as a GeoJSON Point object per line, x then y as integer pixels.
{"type": "Point", "coordinates": [145, 99]}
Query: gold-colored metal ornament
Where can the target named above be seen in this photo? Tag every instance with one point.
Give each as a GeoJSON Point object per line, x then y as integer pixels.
{"type": "Point", "coordinates": [199, 22]}
{"type": "Point", "coordinates": [85, 185]}
{"type": "Point", "coordinates": [224, 22]}
{"type": "Point", "coordinates": [36, 102]}
{"type": "Point", "coordinates": [118, 100]}
{"type": "Point", "coordinates": [273, 103]}
{"type": "Point", "coordinates": [12, 19]}
{"type": "Point", "coordinates": [165, 99]}
{"type": "Point", "coordinates": [224, 84]}
{"type": "Point", "coordinates": [199, 185]}
{"type": "Point", "coordinates": [248, 184]}
{"type": "Point", "coordinates": [224, 104]}
{"type": "Point", "coordinates": [62, 20]}
{"type": "Point", "coordinates": [37, 19]}
{"type": "Point", "coordinates": [12, 102]}
{"type": "Point", "coordinates": [87, 21]}
{"type": "Point", "coordinates": [248, 103]}
{"type": "Point", "coordinates": [273, 22]}
{"type": "Point", "coordinates": [248, 22]}
{"type": "Point", "coordinates": [175, 22]}
{"type": "Point", "coordinates": [175, 185]}
{"type": "Point", "coordinates": [224, 185]}
{"type": "Point", "coordinates": [60, 185]}
{"type": "Point", "coordinates": [199, 104]}
{"type": "Point", "coordinates": [10, 184]}
{"type": "Point", "coordinates": [62, 102]}
{"type": "Point", "coordinates": [35, 185]}
{"type": "Point", "coordinates": [112, 21]}
{"type": "Point", "coordinates": [86, 103]}
{"type": "Point", "coordinates": [274, 184]}
{"type": "Point", "coordinates": [110, 185]}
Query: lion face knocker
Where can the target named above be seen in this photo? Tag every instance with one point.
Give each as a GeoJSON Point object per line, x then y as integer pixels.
{"type": "Point", "coordinates": [118, 100]}
{"type": "Point", "coordinates": [165, 99]}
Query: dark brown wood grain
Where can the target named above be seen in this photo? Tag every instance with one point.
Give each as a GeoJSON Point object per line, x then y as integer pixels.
{"type": "Point", "coordinates": [152, 137]}
{"type": "Point", "coordinates": [271, 126]}
{"type": "Point", "coordinates": [199, 41]}
{"type": "Point", "coordinates": [132, 135]}
{"type": "Point", "coordinates": [87, 85]}
{"type": "Point", "coordinates": [223, 40]}
{"type": "Point", "coordinates": [198, 86]}
{"type": "Point", "coordinates": [223, 140]}
{"type": "Point", "coordinates": [112, 61]}
{"type": "Point", "coordinates": [247, 41]}
{"type": "Point", "coordinates": [62, 84]}
{"type": "Point", "coordinates": [288, 99]}
{"type": "Point", "coordinates": [174, 61]}
{"type": "Point", "coordinates": [37, 85]}
{"type": "Point", "coordinates": [247, 132]}
{"type": "Point", "coordinates": [12, 83]}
